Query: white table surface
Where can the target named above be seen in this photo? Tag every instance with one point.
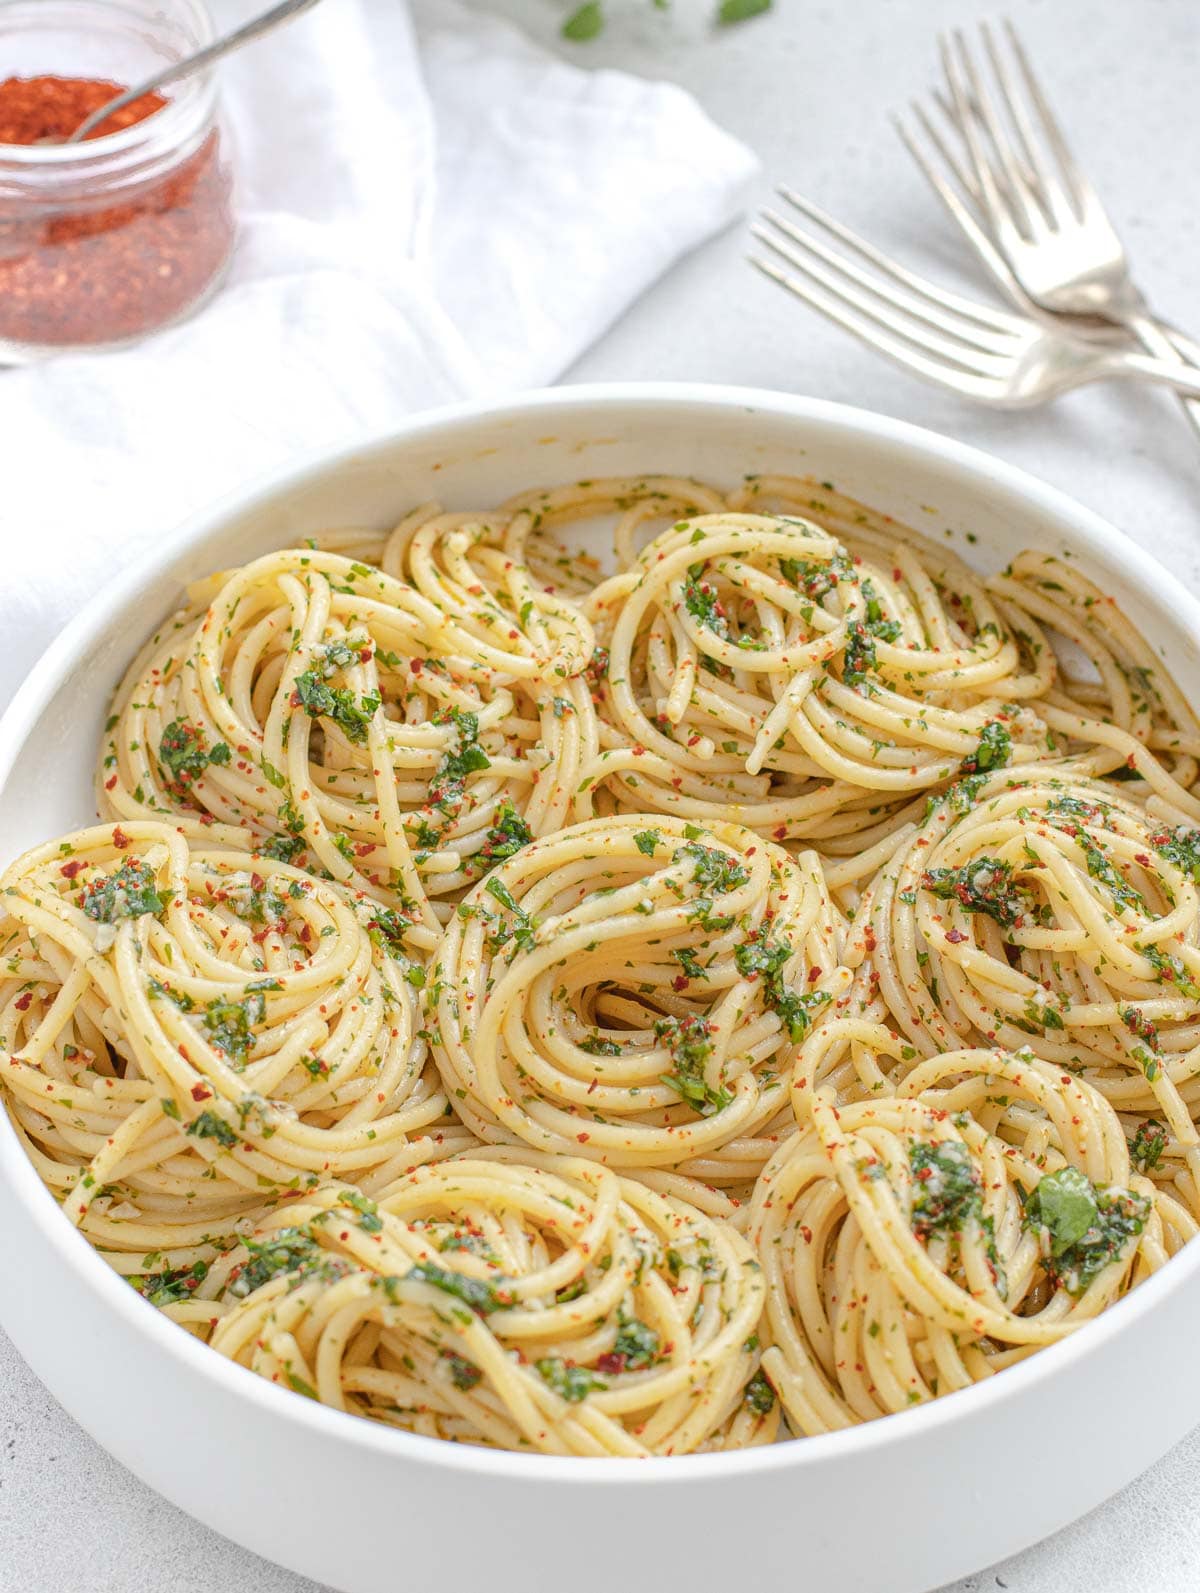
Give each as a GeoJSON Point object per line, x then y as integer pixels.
{"type": "Point", "coordinates": [809, 87]}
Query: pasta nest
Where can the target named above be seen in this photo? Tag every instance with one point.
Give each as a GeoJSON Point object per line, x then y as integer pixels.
{"type": "Point", "coordinates": [633, 990]}
{"type": "Point", "coordinates": [1055, 909]}
{"type": "Point", "coordinates": [190, 1032]}
{"type": "Point", "coordinates": [760, 672]}
{"type": "Point", "coordinates": [918, 1242]}
{"type": "Point", "coordinates": [508, 1299]}
{"type": "Point", "coordinates": [326, 712]}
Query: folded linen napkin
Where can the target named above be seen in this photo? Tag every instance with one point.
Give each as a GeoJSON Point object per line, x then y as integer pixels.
{"type": "Point", "coordinates": [432, 208]}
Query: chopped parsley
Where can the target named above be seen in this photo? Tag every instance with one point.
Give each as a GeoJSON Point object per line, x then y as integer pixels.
{"type": "Point", "coordinates": [1181, 847]}
{"type": "Point", "coordinates": [815, 580]}
{"type": "Point", "coordinates": [690, 1044]}
{"type": "Point", "coordinates": [288, 1250]}
{"type": "Point", "coordinates": [637, 1344]}
{"type": "Point", "coordinates": [168, 1288]}
{"type": "Point", "coordinates": [1170, 970]}
{"type": "Point", "coordinates": [712, 868]}
{"type": "Point", "coordinates": [524, 931]}
{"type": "Point", "coordinates": [283, 848]}
{"type": "Point", "coordinates": [209, 1126]}
{"type": "Point", "coordinates": [1085, 1229]}
{"type": "Point", "coordinates": [993, 752]}
{"type": "Point", "coordinates": [464, 1374]}
{"type": "Point", "coordinates": [769, 957]}
{"type": "Point", "coordinates": [597, 1045]}
{"type": "Point", "coordinates": [183, 753]}
{"type": "Point", "coordinates": [129, 893]}
{"type": "Point", "coordinates": [981, 886]}
{"type": "Point", "coordinates": [574, 1383]}
{"type": "Point", "coordinates": [887, 630]}
{"type": "Point", "coordinates": [312, 692]}
{"type": "Point", "coordinates": [477, 1293]}
{"type": "Point", "coordinates": [507, 836]}
{"type": "Point", "coordinates": [1147, 1145]}
{"type": "Point", "coordinates": [947, 1191]}
{"type": "Point", "coordinates": [702, 603]}
{"type": "Point", "coordinates": [230, 1023]}
{"type": "Point", "coordinates": [464, 756]}
{"type": "Point", "coordinates": [368, 1213]}
{"type": "Point", "coordinates": [758, 1395]}
{"type": "Point", "coordinates": [860, 656]}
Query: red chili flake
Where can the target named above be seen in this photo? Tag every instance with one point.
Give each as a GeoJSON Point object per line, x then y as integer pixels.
{"type": "Point", "coordinates": [813, 975]}
{"type": "Point", "coordinates": [120, 839]}
{"type": "Point", "coordinates": [114, 271]}
{"type": "Point", "coordinates": [200, 1093]}
{"type": "Point", "coordinates": [612, 1364]}
{"type": "Point", "coordinates": [109, 783]}
{"type": "Point", "coordinates": [22, 1002]}
{"type": "Point", "coordinates": [955, 936]}
{"type": "Point", "coordinates": [69, 870]}
{"type": "Point", "coordinates": [583, 1138]}
{"type": "Point", "coordinates": [416, 665]}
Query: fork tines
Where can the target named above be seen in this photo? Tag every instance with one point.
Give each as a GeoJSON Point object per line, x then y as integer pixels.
{"type": "Point", "coordinates": [929, 329]}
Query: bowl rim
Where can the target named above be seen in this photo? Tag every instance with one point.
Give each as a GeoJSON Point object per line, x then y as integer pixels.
{"type": "Point", "coordinates": [1084, 526]}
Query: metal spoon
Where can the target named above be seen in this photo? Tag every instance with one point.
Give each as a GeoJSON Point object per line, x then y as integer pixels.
{"type": "Point", "coordinates": [192, 63]}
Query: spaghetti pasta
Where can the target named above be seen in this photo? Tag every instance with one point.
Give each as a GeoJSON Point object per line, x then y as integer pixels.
{"type": "Point", "coordinates": [190, 1034]}
{"type": "Point", "coordinates": [512, 1300]}
{"type": "Point", "coordinates": [1055, 910]}
{"type": "Point", "coordinates": [634, 991]}
{"type": "Point", "coordinates": [630, 1013]}
{"type": "Point", "coordinates": [896, 1237]}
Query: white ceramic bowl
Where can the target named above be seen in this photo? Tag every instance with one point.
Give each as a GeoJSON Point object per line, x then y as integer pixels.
{"type": "Point", "coordinates": [892, 1507]}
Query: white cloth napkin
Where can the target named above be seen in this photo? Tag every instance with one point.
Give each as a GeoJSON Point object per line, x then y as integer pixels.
{"type": "Point", "coordinates": [432, 208]}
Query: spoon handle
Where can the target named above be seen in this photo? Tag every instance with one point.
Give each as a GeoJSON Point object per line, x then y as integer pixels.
{"type": "Point", "coordinates": [192, 63]}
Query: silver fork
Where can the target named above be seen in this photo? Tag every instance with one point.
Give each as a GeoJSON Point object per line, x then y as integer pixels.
{"type": "Point", "coordinates": [1024, 203]}
{"type": "Point", "coordinates": [982, 352]}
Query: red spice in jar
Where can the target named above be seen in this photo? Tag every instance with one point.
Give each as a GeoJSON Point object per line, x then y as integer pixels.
{"type": "Point", "coordinates": [95, 272]}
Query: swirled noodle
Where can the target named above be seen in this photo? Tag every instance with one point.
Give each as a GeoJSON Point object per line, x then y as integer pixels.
{"type": "Point", "coordinates": [1051, 909]}
{"type": "Point", "coordinates": [895, 1234]}
{"type": "Point", "coordinates": [191, 1033]}
{"type": "Point", "coordinates": [324, 709]}
{"type": "Point", "coordinates": [512, 1300]}
{"type": "Point", "coordinates": [633, 989]}
{"type": "Point", "coordinates": [757, 670]}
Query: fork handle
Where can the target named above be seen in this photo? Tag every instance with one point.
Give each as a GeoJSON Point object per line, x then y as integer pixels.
{"type": "Point", "coordinates": [1157, 341]}
{"type": "Point", "coordinates": [1176, 373]}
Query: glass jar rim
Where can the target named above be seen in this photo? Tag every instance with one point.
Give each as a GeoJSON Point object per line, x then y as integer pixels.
{"type": "Point", "coordinates": [191, 104]}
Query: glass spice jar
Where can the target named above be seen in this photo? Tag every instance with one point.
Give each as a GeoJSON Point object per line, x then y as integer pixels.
{"type": "Point", "coordinates": [104, 241]}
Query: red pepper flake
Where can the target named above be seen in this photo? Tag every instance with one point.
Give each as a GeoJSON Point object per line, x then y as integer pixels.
{"type": "Point", "coordinates": [200, 1093]}
{"type": "Point", "coordinates": [120, 839]}
{"type": "Point", "coordinates": [69, 870]}
{"type": "Point", "coordinates": [22, 1002]}
{"type": "Point", "coordinates": [98, 273]}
